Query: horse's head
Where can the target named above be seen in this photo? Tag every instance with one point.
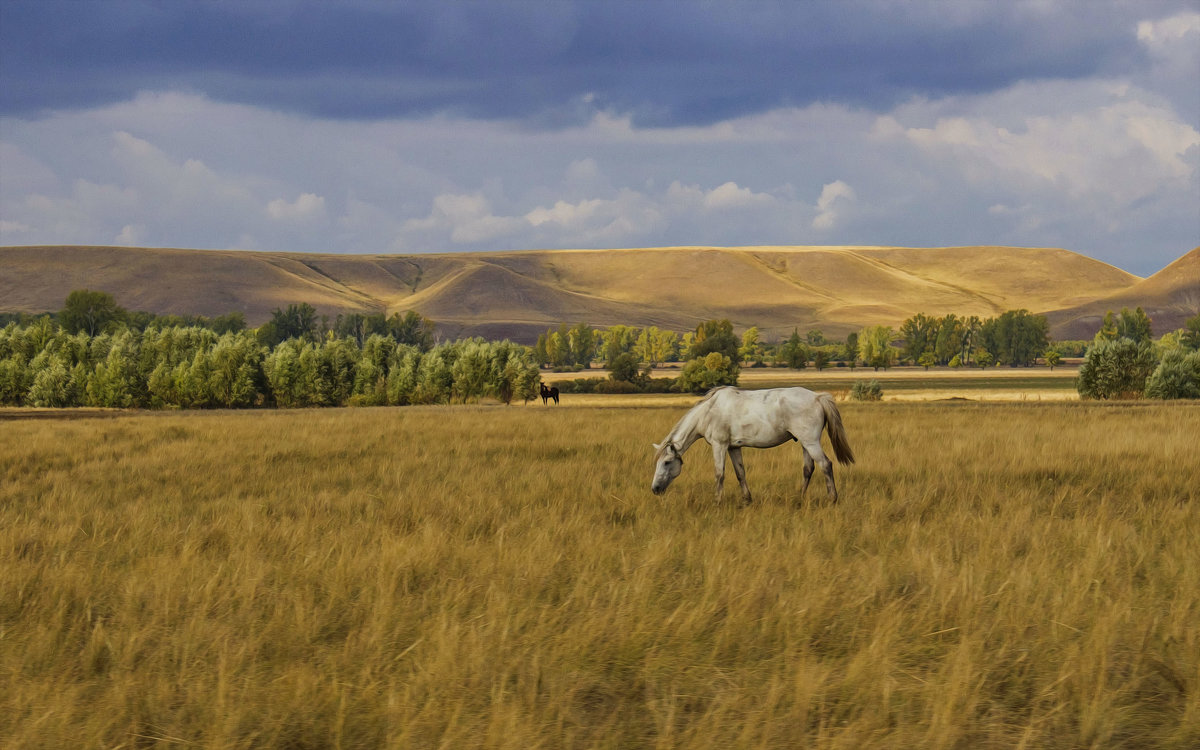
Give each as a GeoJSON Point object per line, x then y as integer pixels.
{"type": "Point", "coordinates": [667, 465]}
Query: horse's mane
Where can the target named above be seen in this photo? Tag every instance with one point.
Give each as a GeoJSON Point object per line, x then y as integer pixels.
{"type": "Point", "coordinates": [714, 391]}
{"type": "Point", "coordinates": [662, 447]}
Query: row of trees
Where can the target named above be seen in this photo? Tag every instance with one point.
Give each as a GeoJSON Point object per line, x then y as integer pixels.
{"type": "Point", "coordinates": [95, 353]}
{"type": "Point", "coordinates": [43, 364]}
{"type": "Point", "coordinates": [1016, 338]}
{"type": "Point", "coordinates": [94, 312]}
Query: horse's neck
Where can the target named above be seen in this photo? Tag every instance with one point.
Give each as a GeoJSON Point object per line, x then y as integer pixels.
{"type": "Point", "coordinates": [687, 430]}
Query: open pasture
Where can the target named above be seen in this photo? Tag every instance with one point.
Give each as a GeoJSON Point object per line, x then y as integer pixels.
{"type": "Point", "coordinates": [899, 383]}
{"type": "Point", "coordinates": [996, 575]}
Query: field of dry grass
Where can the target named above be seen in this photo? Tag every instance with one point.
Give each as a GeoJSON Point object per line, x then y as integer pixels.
{"type": "Point", "coordinates": [899, 384]}
{"type": "Point", "coordinates": [996, 575]}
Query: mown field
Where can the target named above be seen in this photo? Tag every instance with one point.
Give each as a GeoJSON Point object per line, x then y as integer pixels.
{"type": "Point", "coordinates": [996, 575]}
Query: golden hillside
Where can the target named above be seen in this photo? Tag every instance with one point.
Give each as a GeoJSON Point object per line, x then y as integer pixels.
{"type": "Point", "coordinates": [520, 294]}
{"type": "Point", "coordinates": [1169, 297]}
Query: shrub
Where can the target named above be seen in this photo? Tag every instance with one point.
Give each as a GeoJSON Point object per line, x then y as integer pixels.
{"type": "Point", "coordinates": [863, 390]}
{"type": "Point", "coordinates": [1177, 376]}
{"type": "Point", "coordinates": [1115, 369]}
{"type": "Point", "coordinates": [710, 371]}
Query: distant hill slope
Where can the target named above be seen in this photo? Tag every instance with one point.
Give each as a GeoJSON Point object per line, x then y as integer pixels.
{"type": "Point", "coordinates": [520, 294]}
{"type": "Point", "coordinates": [1169, 297]}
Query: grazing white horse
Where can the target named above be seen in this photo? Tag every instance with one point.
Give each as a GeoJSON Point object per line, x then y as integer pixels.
{"type": "Point", "coordinates": [731, 419]}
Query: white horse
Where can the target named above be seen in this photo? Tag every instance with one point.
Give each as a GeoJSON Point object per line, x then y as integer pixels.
{"type": "Point", "coordinates": [731, 419]}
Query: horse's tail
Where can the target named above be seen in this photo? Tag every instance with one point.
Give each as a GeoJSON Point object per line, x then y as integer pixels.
{"type": "Point", "coordinates": [837, 433]}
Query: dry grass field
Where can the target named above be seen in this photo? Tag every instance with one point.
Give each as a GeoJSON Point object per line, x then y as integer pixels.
{"type": "Point", "coordinates": [996, 575]}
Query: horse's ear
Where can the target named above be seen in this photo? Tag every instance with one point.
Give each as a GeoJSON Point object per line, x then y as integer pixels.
{"type": "Point", "coordinates": [656, 445]}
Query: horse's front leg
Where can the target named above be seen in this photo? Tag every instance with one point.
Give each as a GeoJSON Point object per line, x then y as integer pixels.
{"type": "Point", "coordinates": [739, 470]}
{"type": "Point", "coordinates": [719, 450]}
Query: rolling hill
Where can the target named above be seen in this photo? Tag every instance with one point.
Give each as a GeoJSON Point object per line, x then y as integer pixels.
{"type": "Point", "coordinates": [520, 294]}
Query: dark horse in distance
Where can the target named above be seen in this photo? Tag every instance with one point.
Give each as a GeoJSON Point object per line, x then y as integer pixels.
{"type": "Point", "coordinates": [549, 393]}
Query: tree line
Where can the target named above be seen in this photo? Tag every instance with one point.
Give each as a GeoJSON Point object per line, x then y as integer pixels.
{"type": "Point", "coordinates": [91, 355]}
{"type": "Point", "coordinates": [94, 353]}
{"type": "Point", "coordinates": [1015, 338]}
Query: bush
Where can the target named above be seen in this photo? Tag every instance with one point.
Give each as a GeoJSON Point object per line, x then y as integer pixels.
{"type": "Point", "coordinates": [1177, 376]}
{"type": "Point", "coordinates": [712, 370]}
{"type": "Point", "coordinates": [1115, 369]}
{"type": "Point", "coordinates": [863, 390]}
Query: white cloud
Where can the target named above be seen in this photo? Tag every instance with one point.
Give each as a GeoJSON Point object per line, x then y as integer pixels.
{"type": "Point", "coordinates": [834, 196]}
{"type": "Point", "coordinates": [467, 218]}
{"type": "Point", "coordinates": [305, 208]}
{"type": "Point", "coordinates": [1119, 152]}
{"type": "Point", "coordinates": [131, 235]}
{"type": "Point", "coordinates": [1167, 31]}
{"type": "Point", "coordinates": [729, 196]}
{"type": "Point", "coordinates": [582, 171]}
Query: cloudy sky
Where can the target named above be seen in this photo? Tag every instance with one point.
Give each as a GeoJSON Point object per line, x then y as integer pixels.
{"type": "Point", "coordinates": [411, 127]}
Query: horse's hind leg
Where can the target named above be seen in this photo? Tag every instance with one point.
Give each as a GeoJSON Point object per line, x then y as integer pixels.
{"type": "Point", "coordinates": [816, 454]}
{"type": "Point", "coordinates": [739, 470]}
{"type": "Point", "coordinates": [808, 472]}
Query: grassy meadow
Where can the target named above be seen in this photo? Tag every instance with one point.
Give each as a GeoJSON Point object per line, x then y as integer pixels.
{"type": "Point", "coordinates": [996, 575]}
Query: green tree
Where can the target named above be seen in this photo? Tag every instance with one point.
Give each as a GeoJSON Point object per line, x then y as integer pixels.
{"type": "Point", "coordinates": [404, 368]}
{"type": "Point", "coordinates": [950, 336]}
{"type": "Point", "coordinates": [412, 329]}
{"type": "Point", "coordinates": [1191, 333]}
{"type": "Point", "coordinates": [114, 382]}
{"type": "Point", "coordinates": [715, 336]}
{"type": "Point", "coordinates": [624, 368]}
{"type": "Point", "coordinates": [435, 379]}
{"type": "Point", "coordinates": [1052, 358]}
{"type": "Point", "coordinates": [583, 345]}
{"type": "Point", "coordinates": [89, 312]}
{"type": "Point", "coordinates": [558, 348]}
{"type": "Point", "coordinates": [370, 379]}
{"type": "Point", "coordinates": [1108, 328]}
{"type": "Point", "coordinates": [15, 380]}
{"type": "Point", "coordinates": [850, 351]}
{"type": "Point", "coordinates": [793, 352]}
{"type": "Point", "coordinates": [540, 354]}
{"type": "Point", "coordinates": [1177, 376]}
{"type": "Point", "coordinates": [707, 372]}
{"type": "Point", "coordinates": [814, 337]}
{"type": "Point", "coordinates": [56, 383]}
{"type": "Point", "coordinates": [875, 346]}
{"type": "Point", "coordinates": [617, 341]}
{"type": "Point", "coordinates": [1018, 338]}
{"type": "Point", "coordinates": [820, 359]}
{"type": "Point", "coordinates": [1115, 369]}
{"type": "Point", "coordinates": [1134, 325]}
{"type": "Point", "coordinates": [295, 322]}
{"type": "Point", "coordinates": [919, 333]}
{"type": "Point", "coordinates": [752, 349]}
{"type": "Point", "coordinates": [927, 359]}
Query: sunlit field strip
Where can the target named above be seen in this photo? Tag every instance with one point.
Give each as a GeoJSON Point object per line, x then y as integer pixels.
{"type": "Point", "coordinates": [899, 384]}
{"type": "Point", "coordinates": [996, 575]}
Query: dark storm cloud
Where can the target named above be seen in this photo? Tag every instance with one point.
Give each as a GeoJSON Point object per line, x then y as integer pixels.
{"type": "Point", "coordinates": [549, 63]}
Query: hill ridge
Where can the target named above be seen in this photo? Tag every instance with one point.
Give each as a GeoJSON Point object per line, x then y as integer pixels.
{"type": "Point", "coordinates": [520, 293]}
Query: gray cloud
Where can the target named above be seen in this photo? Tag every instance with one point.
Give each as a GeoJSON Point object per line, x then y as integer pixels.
{"type": "Point", "coordinates": [516, 126]}
{"type": "Point", "coordinates": [663, 63]}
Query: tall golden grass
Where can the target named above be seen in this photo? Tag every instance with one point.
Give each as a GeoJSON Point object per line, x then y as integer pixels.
{"type": "Point", "coordinates": [1004, 575]}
